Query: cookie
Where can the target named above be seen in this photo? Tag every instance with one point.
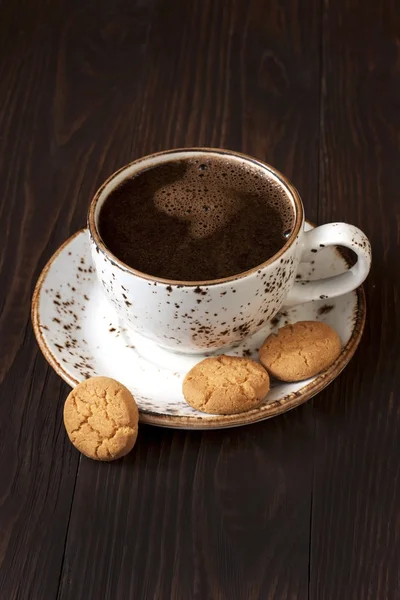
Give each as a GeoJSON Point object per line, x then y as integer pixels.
{"type": "Point", "coordinates": [101, 418]}
{"type": "Point", "coordinates": [225, 385]}
{"type": "Point", "coordinates": [300, 351]}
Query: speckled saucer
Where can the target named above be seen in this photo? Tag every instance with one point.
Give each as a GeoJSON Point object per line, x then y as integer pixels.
{"type": "Point", "coordinates": [80, 336]}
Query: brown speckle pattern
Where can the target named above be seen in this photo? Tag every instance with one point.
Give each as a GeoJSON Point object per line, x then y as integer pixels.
{"type": "Point", "coordinates": [88, 347]}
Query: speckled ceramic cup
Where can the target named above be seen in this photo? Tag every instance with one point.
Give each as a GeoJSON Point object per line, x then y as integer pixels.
{"type": "Point", "coordinates": [194, 317]}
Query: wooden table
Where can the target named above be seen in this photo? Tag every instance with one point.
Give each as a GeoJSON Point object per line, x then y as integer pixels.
{"type": "Point", "coordinates": [306, 505]}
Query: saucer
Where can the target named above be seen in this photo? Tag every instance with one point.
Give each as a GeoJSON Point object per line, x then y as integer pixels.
{"type": "Point", "coordinates": [80, 336]}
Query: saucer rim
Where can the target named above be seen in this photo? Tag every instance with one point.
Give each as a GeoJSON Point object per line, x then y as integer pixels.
{"type": "Point", "coordinates": [262, 413]}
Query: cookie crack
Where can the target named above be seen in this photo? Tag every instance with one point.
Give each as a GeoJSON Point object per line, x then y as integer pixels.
{"type": "Point", "coordinates": [124, 428]}
{"type": "Point", "coordinates": [207, 396]}
{"type": "Point", "coordinates": [86, 422]}
{"type": "Point", "coordinates": [93, 429]}
{"type": "Point", "coordinates": [276, 359]}
{"type": "Point", "coordinates": [304, 357]}
{"type": "Point", "coordinates": [96, 450]}
{"type": "Point", "coordinates": [78, 411]}
{"type": "Point", "coordinates": [97, 397]}
{"type": "Point", "coordinates": [113, 421]}
{"type": "Point", "coordinates": [249, 394]}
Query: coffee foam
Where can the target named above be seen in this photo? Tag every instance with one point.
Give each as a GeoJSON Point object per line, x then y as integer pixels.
{"type": "Point", "coordinates": [196, 219]}
{"type": "Point", "coordinates": [211, 191]}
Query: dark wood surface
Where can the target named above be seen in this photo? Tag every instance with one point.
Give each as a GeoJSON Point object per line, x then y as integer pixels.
{"type": "Point", "coordinates": [306, 505]}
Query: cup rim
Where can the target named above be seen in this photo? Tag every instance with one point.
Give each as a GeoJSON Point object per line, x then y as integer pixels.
{"type": "Point", "coordinates": [95, 234]}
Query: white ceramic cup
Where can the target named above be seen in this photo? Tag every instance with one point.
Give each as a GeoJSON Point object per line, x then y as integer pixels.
{"type": "Point", "coordinates": [194, 317]}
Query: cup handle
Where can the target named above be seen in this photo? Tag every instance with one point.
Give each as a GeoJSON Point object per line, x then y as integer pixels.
{"type": "Point", "coordinates": [332, 234]}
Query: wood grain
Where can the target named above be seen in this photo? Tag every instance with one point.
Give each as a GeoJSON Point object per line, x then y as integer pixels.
{"type": "Point", "coordinates": [37, 466]}
{"type": "Point", "coordinates": [303, 506]}
{"type": "Point", "coordinates": [184, 516]}
{"type": "Point", "coordinates": [356, 492]}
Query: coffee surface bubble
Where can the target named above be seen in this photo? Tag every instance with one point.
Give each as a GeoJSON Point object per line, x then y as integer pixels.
{"type": "Point", "coordinates": [195, 219]}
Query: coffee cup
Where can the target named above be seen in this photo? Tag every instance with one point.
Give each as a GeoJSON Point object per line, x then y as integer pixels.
{"type": "Point", "coordinates": [204, 315]}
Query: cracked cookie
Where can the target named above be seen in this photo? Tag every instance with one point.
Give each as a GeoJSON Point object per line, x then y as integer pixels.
{"type": "Point", "coordinates": [225, 385]}
{"type": "Point", "coordinates": [300, 351]}
{"type": "Point", "coordinates": [101, 418]}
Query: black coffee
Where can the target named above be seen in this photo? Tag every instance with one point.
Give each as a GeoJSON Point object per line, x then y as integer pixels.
{"type": "Point", "coordinates": [196, 219]}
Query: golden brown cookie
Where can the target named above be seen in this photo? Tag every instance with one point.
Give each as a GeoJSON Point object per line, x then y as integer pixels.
{"type": "Point", "coordinates": [300, 351]}
{"type": "Point", "coordinates": [225, 385]}
{"type": "Point", "coordinates": [101, 418]}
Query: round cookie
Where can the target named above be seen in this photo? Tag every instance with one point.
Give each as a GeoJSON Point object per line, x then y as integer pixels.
{"type": "Point", "coordinates": [300, 351]}
{"type": "Point", "coordinates": [225, 385]}
{"type": "Point", "coordinates": [101, 418]}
